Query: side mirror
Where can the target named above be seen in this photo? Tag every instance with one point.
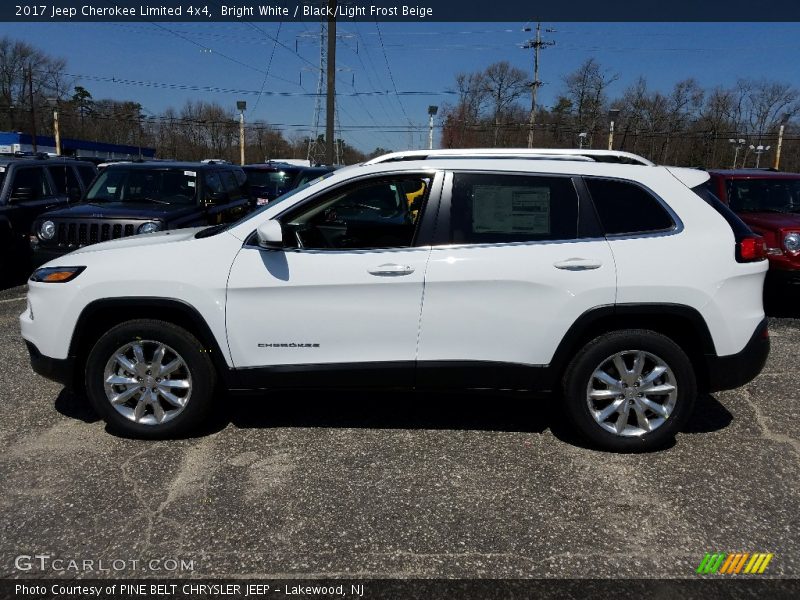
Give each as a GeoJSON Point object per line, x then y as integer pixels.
{"type": "Point", "coordinates": [270, 235]}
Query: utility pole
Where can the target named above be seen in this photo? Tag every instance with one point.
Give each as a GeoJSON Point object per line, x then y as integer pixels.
{"type": "Point", "coordinates": [33, 108]}
{"type": "Point", "coordinates": [785, 119]}
{"type": "Point", "coordinates": [537, 44]}
{"type": "Point", "coordinates": [330, 106]}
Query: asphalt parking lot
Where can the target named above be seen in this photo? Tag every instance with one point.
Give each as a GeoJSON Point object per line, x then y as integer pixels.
{"type": "Point", "coordinates": [397, 486]}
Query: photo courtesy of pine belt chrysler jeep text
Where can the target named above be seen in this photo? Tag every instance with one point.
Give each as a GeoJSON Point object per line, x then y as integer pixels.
{"type": "Point", "coordinates": [618, 290]}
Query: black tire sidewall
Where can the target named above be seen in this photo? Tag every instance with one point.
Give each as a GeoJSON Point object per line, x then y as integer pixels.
{"type": "Point", "coordinates": [580, 370]}
{"type": "Point", "coordinates": [185, 344]}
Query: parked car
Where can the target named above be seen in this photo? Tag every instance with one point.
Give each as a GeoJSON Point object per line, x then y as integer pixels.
{"type": "Point", "coordinates": [769, 202]}
{"type": "Point", "coordinates": [573, 280]}
{"type": "Point", "coordinates": [272, 179]}
{"type": "Point", "coordinates": [143, 197]}
{"type": "Point", "coordinates": [30, 186]}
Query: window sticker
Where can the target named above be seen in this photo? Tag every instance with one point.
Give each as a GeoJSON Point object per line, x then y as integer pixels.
{"type": "Point", "coordinates": [190, 173]}
{"type": "Point", "coordinates": [190, 183]}
{"type": "Point", "coordinates": [511, 209]}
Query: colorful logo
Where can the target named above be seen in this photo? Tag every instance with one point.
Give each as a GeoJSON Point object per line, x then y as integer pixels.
{"type": "Point", "coordinates": [734, 563]}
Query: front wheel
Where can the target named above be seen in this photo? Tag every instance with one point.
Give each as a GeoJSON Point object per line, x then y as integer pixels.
{"type": "Point", "coordinates": [150, 379]}
{"type": "Point", "coordinates": [630, 390]}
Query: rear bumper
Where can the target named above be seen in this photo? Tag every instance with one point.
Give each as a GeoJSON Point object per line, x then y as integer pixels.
{"type": "Point", "coordinates": [60, 370]}
{"type": "Point", "coordinates": [728, 372]}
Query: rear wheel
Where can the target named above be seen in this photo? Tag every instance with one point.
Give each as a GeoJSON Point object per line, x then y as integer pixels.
{"type": "Point", "coordinates": [630, 390]}
{"type": "Point", "coordinates": [150, 378]}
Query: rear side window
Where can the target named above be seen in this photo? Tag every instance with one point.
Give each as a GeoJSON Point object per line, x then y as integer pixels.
{"type": "Point", "coordinates": [626, 208]}
{"type": "Point", "coordinates": [30, 183]}
{"type": "Point", "coordinates": [64, 179]}
{"type": "Point", "coordinates": [496, 209]}
{"type": "Point", "coordinates": [231, 185]}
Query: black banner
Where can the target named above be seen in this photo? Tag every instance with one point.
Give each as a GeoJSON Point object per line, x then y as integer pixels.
{"type": "Point", "coordinates": [710, 588]}
{"type": "Point", "coordinates": [393, 10]}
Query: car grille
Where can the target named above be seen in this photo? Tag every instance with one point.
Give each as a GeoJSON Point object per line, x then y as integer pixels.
{"type": "Point", "coordinates": [76, 233]}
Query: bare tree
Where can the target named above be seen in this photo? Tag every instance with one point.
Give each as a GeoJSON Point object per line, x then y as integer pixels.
{"type": "Point", "coordinates": [586, 87]}
{"type": "Point", "coordinates": [504, 86]}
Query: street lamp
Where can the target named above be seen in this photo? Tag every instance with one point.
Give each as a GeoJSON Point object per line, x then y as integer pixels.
{"type": "Point", "coordinates": [612, 116]}
{"type": "Point", "coordinates": [784, 120]}
{"type": "Point", "coordinates": [53, 102]}
{"type": "Point", "coordinates": [738, 144]}
{"type": "Point", "coordinates": [432, 110]}
{"type": "Point", "coordinates": [241, 106]}
{"type": "Point", "coordinates": [759, 150]}
{"type": "Point", "coordinates": [582, 136]}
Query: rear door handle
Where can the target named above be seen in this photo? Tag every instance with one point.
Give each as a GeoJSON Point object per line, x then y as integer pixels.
{"type": "Point", "coordinates": [578, 264]}
{"type": "Point", "coordinates": [391, 270]}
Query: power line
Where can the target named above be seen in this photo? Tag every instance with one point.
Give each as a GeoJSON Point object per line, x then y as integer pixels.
{"type": "Point", "coordinates": [269, 66]}
{"type": "Point", "coordinates": [391, 76]}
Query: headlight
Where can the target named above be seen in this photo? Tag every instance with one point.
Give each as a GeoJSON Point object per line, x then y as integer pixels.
{"type": "Point", "coordinates": [791, 241]}
{"type": "Point", "coordinates": [47, 230]}
{"type": "Point", "coordinates": [148, 228]}
{"type": "Point", "coordinates": [56, 274]}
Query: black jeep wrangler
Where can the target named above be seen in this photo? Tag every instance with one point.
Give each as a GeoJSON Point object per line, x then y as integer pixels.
{"type": "Point", "coordinates": [30, 186]}
{"type": "Point", "coordinates": [142, 197]}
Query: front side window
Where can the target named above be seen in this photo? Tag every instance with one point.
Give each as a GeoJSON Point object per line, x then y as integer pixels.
{"type": "Point", "coordinates": [378, 214]}
{"type": "Point", "coordinates": [64, 179]}
{"type": "Point", "coordinates": [496, 209]}
{"type": "Point", "coordinates": [231, 185]}
{"type": "Point", "coordinates": [627, 208]}
{"type": "Point", "coordinates": [158, 186]}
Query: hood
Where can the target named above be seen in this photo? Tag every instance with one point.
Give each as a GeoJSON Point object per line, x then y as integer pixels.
{"type": "Point", "coordinates": [770, 220]}
{"type": "Point", "coordinates": [121, 210]}
{"type": "Point", "coordinates": [143, 239]}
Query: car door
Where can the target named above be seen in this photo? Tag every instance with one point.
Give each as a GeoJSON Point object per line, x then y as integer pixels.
{"type": "Point", "coordinates": [520, 259]}
{"type": "Point", "coordinates": [345, 293]}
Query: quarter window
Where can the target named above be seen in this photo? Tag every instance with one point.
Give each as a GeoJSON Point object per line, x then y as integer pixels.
{"type": "Point", "coordinates": [492, 209]}
{"type": "Point", "coordinates": [626, 208]}
{"type": "Point", "coordinates": [378, 214]}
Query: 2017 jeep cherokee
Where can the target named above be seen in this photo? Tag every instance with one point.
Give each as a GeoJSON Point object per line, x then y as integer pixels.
{"type": "Point", "coordinates": [613, 287]}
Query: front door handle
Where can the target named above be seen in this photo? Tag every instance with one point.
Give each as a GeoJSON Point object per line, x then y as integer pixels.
{"type": "Point", "coordinates": [391, 270]}
{"type": "Point", "coordinates": [578, 264]}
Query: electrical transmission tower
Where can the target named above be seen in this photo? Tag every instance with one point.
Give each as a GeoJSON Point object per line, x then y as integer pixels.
{"type": "Point", "coordinates": [317, 142]}
{"type": "Point", "coordinates": [537, 44]}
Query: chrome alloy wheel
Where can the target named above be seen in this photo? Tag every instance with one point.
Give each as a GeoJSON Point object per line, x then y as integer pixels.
{"type": "Point", "coordinates": [147, 382]}
{"type": "Point", "coordinates": [631, 393]}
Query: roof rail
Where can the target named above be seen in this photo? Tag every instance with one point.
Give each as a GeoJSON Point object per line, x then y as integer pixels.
{"type": "Point", "coordinates": [614, 156]}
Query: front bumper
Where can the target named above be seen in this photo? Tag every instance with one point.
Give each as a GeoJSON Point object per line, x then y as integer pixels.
{"type": "Point", "coordinates": [783, 277]}
{"type": "Point", "coordinates": [41, 254]}
{"type": "Point", "coordinates": [735, 370]}
{"type": "Point", "coordinates": [60, 370]}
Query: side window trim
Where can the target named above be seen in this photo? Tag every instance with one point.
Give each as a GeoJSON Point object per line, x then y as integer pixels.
{"type": "Point", "coordinates": [677, 224]}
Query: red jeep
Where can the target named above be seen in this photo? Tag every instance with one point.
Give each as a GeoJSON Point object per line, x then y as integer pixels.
{"type": "Point", "coordinates": [769, 202]}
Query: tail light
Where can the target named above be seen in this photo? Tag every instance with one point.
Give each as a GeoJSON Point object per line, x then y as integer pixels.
{"type": "Point", "coordinates": [751, 249]}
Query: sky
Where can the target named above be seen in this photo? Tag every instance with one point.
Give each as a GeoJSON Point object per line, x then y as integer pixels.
{"type": "Point", "coordinates": [152, 63]}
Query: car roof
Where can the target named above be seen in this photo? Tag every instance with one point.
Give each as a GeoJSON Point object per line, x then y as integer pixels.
{"type": "Point", "coordinates": [753, 174]}
{"type": "Point", "coordinates": [8, 160]}
{"type": "Point", "coordinates": [170, 164]}
{"type": "Point", "coordinates": [273, 166]}
{"type": "Point", "coordinates": [575, 154]}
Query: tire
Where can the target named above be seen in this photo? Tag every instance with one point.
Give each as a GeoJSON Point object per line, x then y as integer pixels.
{"type": "Point", "coordinates": [597, 396]}
{"type": "Point", "coordinates": [148, 404]}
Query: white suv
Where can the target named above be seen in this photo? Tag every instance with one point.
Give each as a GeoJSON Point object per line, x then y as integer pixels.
{"type": "Point", "coordinates": [614, 288]}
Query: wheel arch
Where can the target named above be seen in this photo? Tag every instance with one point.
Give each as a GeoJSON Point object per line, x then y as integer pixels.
{"type": "Point", "coordinates": [682, 324]}
{"type": "Point", "coordinates": [101, 315]}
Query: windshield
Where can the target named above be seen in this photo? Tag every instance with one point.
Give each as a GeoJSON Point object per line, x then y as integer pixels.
{"type": "Point", "coordinates": [159, 186]}
{"type": "Point", "coordinates": [764, 195]}
{"type": "Point", "coordinates": [273, 182]}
